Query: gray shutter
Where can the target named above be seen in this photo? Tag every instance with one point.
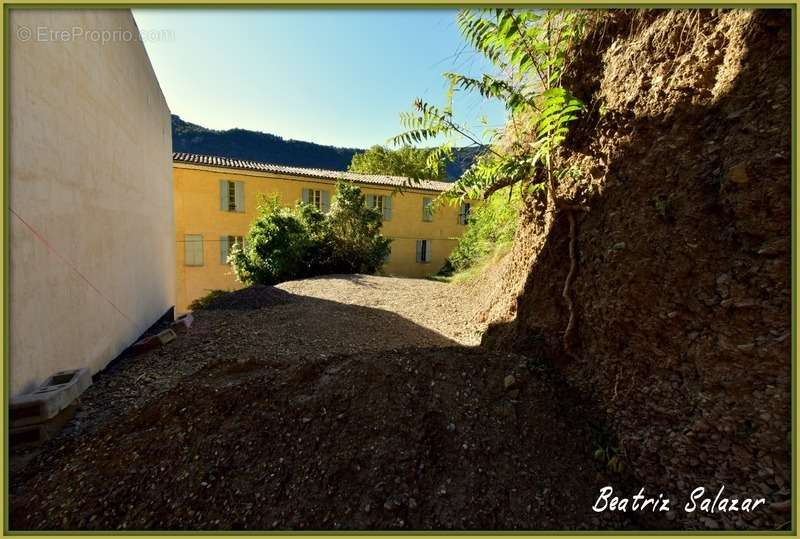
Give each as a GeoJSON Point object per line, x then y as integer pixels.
{"type": "Point", "coordinates": [419, 250]}
{"type": "Point", "coordinates": [370, 201]}
{"type": "Point", "coordinates": [239, 196]}
{"type": "Point", "coordinates": [387, 208]}
{"type": "Point", "coordinates": [326, 201]}
{"type": "Point", "coordinates": [427, 250]}
{"type": "Point", "coordinates": [306, 196]}
{"type": "Point", "coordinates": [223, 195]}
{"type": "Point", "coordinates": [224, 246]}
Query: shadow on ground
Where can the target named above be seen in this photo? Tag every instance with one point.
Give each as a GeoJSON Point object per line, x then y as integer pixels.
{"type": "Point", "coordinates": [293, 415]}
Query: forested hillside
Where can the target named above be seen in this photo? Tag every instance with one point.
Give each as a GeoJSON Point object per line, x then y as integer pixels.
{"type": "Point", "coordinates": [269, 148]}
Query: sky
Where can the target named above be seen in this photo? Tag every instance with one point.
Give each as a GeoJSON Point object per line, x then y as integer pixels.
{"type": "Point", "coordinates": [339, 77]}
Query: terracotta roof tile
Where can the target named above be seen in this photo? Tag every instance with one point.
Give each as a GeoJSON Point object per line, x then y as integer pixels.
{"type": "Point", "coordinates": [375, 179]}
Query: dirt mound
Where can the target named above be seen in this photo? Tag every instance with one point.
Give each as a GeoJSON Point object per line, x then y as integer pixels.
{"type": "Point", "coordinates": [251, 297]}
{"type": "Point", "coordinates": [415, 438]}
{"type": "Point", "coordinates": [682, 293]}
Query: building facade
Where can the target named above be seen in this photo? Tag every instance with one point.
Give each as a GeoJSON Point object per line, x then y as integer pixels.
{"type": "Point", "coordinates": [91, 239]}
{"type": "Point", "coordinates": [216, 200]}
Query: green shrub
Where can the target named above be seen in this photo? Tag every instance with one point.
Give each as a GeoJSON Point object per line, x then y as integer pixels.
{"type": "Point", "coordinates": [292, 243]}
{"type": "Point", "coordinates": [491, 227]}
{"type": "Point", "coordinates": [208, 299]}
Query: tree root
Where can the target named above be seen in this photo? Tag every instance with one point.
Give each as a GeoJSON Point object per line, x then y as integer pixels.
{"type": "Point", "coordinates": [566, 292]}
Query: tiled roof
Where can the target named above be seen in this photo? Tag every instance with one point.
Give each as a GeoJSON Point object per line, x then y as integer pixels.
{"type": "Point", "coordinates": [240, 164]}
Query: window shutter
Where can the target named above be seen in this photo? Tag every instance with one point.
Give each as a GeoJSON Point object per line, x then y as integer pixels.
{"type": "Point", "coordinates": [306, 196]}
{"type": "Point", "coordinates": [370, 201]}
{"type": "Point", "coordinates": [193, 250]}
{"type": "Point", "coordinates": [419, 250]}
{"type": "Point", "coordinates": [223, 195]}
{"type": "Point", "coordinates": [427, 250]}
{"type": "Point", "coordinates": [239, 196]}
{"type": "Point", "coordinates": [427, 211]}
{"type": "Point", "coordinates": [326, 201]}
{"type": "Point", "coordinates": [387, 208]}
{"type": "Point", "coordinates": [223, 249]}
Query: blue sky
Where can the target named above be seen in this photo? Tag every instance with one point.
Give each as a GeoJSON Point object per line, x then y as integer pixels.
{"type": "Point", "coordinates": [338, 77]}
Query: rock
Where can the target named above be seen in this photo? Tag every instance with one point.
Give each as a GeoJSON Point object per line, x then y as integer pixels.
{"type": "Point", "coordinates": [509, 381]}
{"type": "Point", "coordinates": [738, 174]}
{"type": "Point", "coordinates": [514, 393]}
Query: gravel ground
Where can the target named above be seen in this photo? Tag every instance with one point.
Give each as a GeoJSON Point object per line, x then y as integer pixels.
{"type": "Point", "coordinates": [338, 402]}
{"type": "Point", "coordinates": [439, 307]}
{"type": "Point", "coordinates": [299, 319]}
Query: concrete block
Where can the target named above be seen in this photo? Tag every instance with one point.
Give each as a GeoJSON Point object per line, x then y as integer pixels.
{"type": "Point", "coordinates": [36, 434]}
{"type": "Point", "coordinates": [166, 336]}
{"type": "Point", "coordinates": [182, 323]}
{"type": "Point", "coordinates": [153, 341]}
{"type": "Point", "coordinates": [148, 343]}
{"type": "Point", "coordinates": [54, 395]}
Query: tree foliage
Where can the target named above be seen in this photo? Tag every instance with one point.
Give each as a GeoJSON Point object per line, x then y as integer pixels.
{"type": "Point", "coordinates": [406, 161]}
{"type": "Point", "coordinates": [491, 226]}
{"type": "Point", "coordinates": [292, 243]}
{"type": "Point", "coordinates": [529, 49]}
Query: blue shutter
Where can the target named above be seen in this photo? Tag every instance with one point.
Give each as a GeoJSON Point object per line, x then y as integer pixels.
{"type": "Point", "coordinates": [306, 196]}
{"type": "Point", "coordinates": [387, 208]}
{"type": "Point", "coordinates": [223, 195]}
{"type": "Point", "coordinates": [419, 250]}
{"type": "Point", "coordinates": [427, 250]}
{"type": "Point", "coordinates": [224, 246]}
{"type": "Point", "coordinates": [326, 201]}
{"type": "Point", "coordinates": [239, 196]}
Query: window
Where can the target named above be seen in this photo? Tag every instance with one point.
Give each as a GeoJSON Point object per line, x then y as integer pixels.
{"type": "Point", "coordinates": [231, 196]}
{"type": "Point", "coordinates": [193, 250]}
{"type": "Point", "coordinates": [226, 243]}
{"type": "Point", "coordinates": [427, 209]}
{"type": "Point", "coordinates": [318, 198]}
{"type": "Point", "coordinates": [423, 251]}
{"type": "Point", "coordinates": [382, 203]}
{"type": "Point", "coordinates": [463, 213]}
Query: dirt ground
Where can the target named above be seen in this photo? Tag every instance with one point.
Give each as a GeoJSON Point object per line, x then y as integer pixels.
{"type": "Point", "coordinates": [338, 402]}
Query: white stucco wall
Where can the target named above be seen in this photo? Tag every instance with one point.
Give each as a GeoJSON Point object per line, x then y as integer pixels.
{"type": "Point", "coordinates": [91, 170]}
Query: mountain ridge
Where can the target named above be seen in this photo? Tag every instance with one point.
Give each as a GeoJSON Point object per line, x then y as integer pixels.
{"type": "Point", "coordinates": [238, 143]}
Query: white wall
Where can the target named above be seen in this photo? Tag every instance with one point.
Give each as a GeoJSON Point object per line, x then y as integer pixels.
{"type": "Point", "coordinates": [91, 171]}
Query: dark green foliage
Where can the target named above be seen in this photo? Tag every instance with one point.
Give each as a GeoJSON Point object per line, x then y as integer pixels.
{"type": "Point", "coordinates": [293, 243]}
{"type": "Point", "coordinates": [208, 299]}
{"type": "Point", "coordinates": [355, 233]}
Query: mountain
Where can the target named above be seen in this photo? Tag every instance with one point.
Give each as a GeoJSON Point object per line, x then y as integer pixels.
{"type": "Point", "coordinates": [268, 148]}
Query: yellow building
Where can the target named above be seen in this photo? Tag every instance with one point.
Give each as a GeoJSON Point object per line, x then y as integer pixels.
{"type": "Point", "coordinates": [216, 200]}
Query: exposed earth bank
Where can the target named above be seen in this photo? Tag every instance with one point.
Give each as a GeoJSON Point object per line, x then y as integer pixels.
{"type": "Point", "coordinates": [681, 291]}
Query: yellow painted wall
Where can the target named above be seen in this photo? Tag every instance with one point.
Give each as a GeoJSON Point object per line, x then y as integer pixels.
{"type": "Point", "coordinates": [197, 211]}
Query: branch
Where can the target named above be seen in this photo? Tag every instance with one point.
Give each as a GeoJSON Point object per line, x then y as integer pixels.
{"type": "Point", "coordinates": [497, 186]}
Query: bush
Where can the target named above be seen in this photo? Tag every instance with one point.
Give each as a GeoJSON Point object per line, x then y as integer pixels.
{"type": "Point", "coordinates": [491, 227]}
{"type": "Point", "coordinates": [292, 243]}
{"type": "Point", "coordinates": [208, 299]}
